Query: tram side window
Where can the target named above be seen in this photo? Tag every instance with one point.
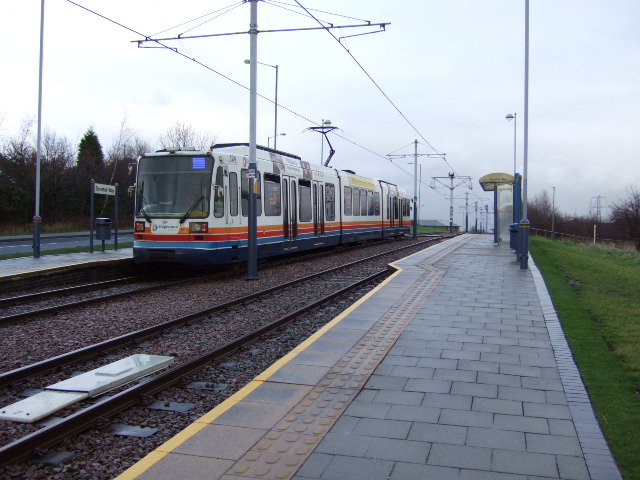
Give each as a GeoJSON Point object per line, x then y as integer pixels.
{"type": "Point", "coordinates": [272, 203]}
{"type": "Point", "coordinates": [330, 190]}
{"type": "Point", "coordinates": [233, 194]}
{"type": "Point", "coordinates": [376, 203]}
{"type": "Point", "coordinates": [218, 201]}
{"type": "Point", "coordinates": [356, 202]}
{"type": "Point", "coordinates": [364, 202]}
{"type": "Point", "coordinates": [347, 200]}
{"type": "Point", "coordinates": [306, 213]}
{"type": "Point", "coordinates": [245, 193]}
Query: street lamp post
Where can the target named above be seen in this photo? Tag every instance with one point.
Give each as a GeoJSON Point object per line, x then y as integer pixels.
{"type": "Point", "coordinates": [275, 126]}
{"type": "Point", "coordinates": [516, 189]}
{"type": "Point", "coordinates": [524, 223]}
{"type": "Point", "coordinates": [274, 141]}
{"type": "Point", "coordinates": [37, 219]}
{"type": "Point", "coordinates": [513, 116]}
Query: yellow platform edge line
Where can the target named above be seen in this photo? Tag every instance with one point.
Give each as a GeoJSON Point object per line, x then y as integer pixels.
{"type": "Point", "coordinates": [156, 455]}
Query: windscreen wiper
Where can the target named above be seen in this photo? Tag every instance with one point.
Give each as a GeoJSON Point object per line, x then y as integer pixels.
{"type": "Point", "coordinates": [144, 204]}
{"type": "Point", "coordinates": [191, 209]}
{"type": "Point", "coordinates": [144, 212]}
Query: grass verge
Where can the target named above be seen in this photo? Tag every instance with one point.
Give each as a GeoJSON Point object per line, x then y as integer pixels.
{"type": "Point", "coordinates": [595, 293]}
{"type": "Point", "coordinates": [62, 251]}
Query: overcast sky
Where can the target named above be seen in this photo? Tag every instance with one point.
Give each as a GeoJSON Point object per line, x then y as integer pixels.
{"type": "Point", "coordinates": [453, 68]}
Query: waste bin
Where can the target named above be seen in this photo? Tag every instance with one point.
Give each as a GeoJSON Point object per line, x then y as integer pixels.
{"type": "Point", "coordinates": [513, 236]}
{"type": "Point", "coordinates": [103, 228]}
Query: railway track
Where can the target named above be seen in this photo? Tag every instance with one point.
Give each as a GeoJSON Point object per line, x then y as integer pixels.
{"type": "Point", "coordinates": [83, 419]}
{"type": "Point", "coordinates": [25, 307]}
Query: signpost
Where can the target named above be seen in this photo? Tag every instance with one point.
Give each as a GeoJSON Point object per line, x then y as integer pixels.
{"type": "Point", "coordinates": [105, 227]}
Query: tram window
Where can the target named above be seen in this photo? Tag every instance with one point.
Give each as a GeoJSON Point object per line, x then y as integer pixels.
{"type": "Point", "coordinates": [356, 202]}
{"type": "Point", "coordinates": [244, 193]}
{"type": "Point", "coordinates": [233, 194]}
{"type": "Point", "coordinates": [364, 199]}
{"type": "Point", "coordinates": [218, 200]}
{"type": "Point", "coordinates": [376, 203]}
{"type": "Point", "coordinates": [258, 195]}
{"type": "Point", "coordinates": [272, 203]}
{"type": "Point", "coordinates": [330, 190]}
{"type": "Point", "coordinates": [347, 200]}
{"type": "Point", "coordinates": [306, 214]}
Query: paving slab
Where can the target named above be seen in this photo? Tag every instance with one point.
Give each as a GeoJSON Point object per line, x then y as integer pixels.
{"type": "Point", "coordinates": [457, 368]}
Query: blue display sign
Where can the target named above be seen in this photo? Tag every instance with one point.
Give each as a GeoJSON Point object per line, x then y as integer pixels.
{"type": "Point", "coordinates": [198, 163]}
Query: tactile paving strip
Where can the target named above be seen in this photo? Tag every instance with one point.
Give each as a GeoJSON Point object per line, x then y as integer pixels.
{"type": "Point", "coordinates": [283, 449]}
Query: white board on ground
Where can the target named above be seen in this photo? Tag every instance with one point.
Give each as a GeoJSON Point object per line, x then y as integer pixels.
{"type": "Point", "coordinates": [113, 375]}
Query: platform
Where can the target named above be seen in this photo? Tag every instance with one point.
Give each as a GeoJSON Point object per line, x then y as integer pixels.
{"type": "Point", "coordinates": [14, 268]}
{"type": "Point", "coordinates": [456, 367]}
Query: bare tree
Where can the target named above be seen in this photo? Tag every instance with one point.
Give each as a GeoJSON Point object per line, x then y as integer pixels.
{"type": "Point", "coordinates": [182, 135]}
{"type": "Point", "coordinates": [124, 151]}
{"type": "Point", "coordinates": [626, 214]}
{"type": "Point", "coordinates": [17, 175]}
{"type": "Point", "coordinates": [540, 211]}
{"type": "Point", "coordinates": [58, 156]}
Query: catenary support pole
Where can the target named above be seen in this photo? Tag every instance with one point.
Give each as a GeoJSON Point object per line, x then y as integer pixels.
{"type": "Point", "coordinates": [415, 189]}
{"type": "Point", "coordinates": [275, 123]}
{"type": "Point", "coordinates": [252, 254]}
{"type": "Point", "coordinates": [451, 176]}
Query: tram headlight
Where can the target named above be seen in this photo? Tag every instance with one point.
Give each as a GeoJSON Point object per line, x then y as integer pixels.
{"type": "Point", "coordinates": [139, 227]}
{"type": "Point", "coordinates": [198, 227]}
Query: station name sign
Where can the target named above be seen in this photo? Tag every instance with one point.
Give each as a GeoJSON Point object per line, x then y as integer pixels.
{"type": "Point", "coordinates": [489, 181]}
{"type": "Point", "coordinates": [104, 189]}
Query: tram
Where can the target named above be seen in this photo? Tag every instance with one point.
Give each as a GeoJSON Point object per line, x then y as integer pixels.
{"type": "Point", "coordinates": [192, 206]}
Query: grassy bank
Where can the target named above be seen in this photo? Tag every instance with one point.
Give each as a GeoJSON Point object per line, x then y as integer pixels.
{"type": "Point", "coordinates": [597, 295]}
{"type": "Point", "coordinates": [62, 251]}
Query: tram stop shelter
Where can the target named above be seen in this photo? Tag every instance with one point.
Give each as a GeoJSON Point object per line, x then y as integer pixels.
{"type": "Point", "coordinates": [501, 184]}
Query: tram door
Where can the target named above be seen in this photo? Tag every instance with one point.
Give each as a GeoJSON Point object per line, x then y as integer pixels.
{"type": "Point", "coordinates": [318, 209]}
{"type": "Point", "coordinates": [223, 200]}
{"type": "Point", "coordinates": [392, 206]}
{"type": "Point", "coordinates": [289, 212]}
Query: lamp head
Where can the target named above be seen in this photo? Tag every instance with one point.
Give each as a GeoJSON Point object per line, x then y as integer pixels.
{"type": "Point", "coordinates": [510, 116]}
{"type": "Point", "coordinates": [247, 61]}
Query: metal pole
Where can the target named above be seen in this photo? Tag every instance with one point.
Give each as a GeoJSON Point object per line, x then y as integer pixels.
{"type": "Point", "coordinates": [496, 239]}
{"type": "Point", "coordinates": [451, 176]}
{"type": "Point", "coordinates": [466, 213]}
{"type": "Point", "coordinates": [91, 220]}
{"type": "Point", "coordinates": [515, 124]}
{"type": "Point", "coordinates": [524, 223]}
{"type": "Point", "coordinates": [37, 220]}
{"type": "Point", "coordinates": [553, 215]}
{"type": "Point", "coordinates": [275, 126]}
{"type": "Point", "coordinates": [116, 217]}
{"type": "Point", "coordinates": [515, 175]}
{"type": "Point", "coordinates": [420, 193]}
{"type": "Point", "coordinates": [415, 189]}
{"type": "Point", "coordinates": [476, 224]}
{"type": "Point", "coordinates": [322, 145]}
{"type": "Point", "coordinates": [252, 254]}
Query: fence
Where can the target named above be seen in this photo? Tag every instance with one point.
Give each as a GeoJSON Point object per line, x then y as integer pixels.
{"type": "Point", "coordinates": [601, 242]}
